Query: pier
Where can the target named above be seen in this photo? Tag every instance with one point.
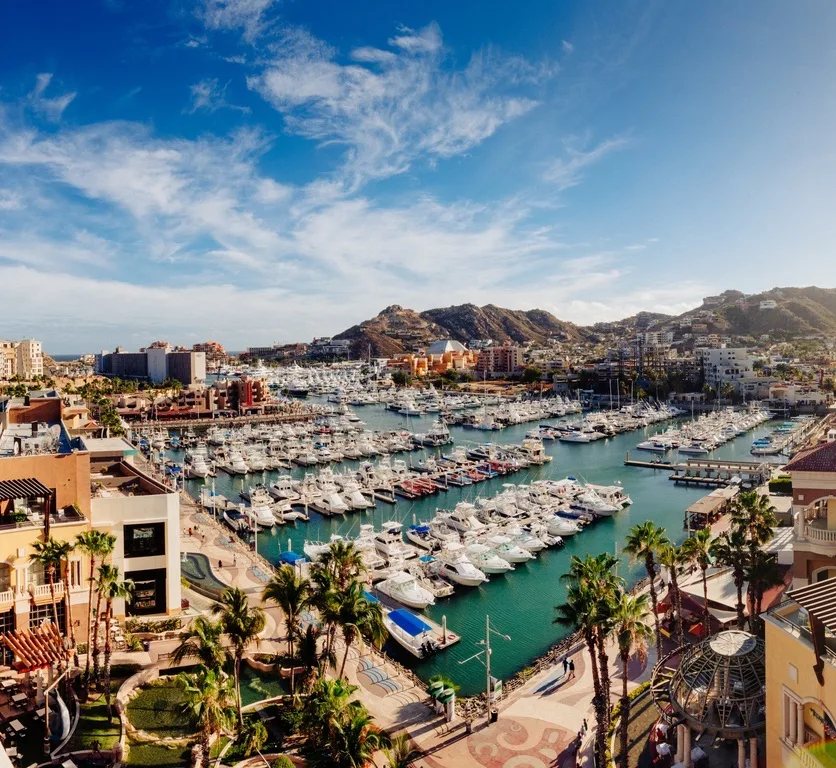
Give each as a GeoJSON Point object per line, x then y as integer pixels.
{"type": "Point", "coordinates": [711, 472]}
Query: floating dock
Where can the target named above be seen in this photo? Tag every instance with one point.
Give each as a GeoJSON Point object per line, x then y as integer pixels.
{"type": "Point", "coordinates": [711, 473]}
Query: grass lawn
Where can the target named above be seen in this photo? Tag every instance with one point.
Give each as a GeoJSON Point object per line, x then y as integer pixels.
{"type": "Point", "coordinates": [93, 726]}
{"type": "Point", "coordinates": [157, 709]}
{"type": "Point", "coordinates": [141, 755]}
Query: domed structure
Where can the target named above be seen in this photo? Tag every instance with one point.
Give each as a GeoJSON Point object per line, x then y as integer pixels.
{"type": "Point", "coordinates": [719, 686]}
{"type": "Point", "coordinates": [444, 346]}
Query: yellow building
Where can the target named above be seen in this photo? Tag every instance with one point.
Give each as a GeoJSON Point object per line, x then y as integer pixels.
{"type": "Point", "coordinates": [801, 677]}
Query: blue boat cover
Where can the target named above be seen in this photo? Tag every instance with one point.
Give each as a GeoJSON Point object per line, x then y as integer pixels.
{"type": "Point", "coordinates": [426, 558]}
{"type": "Point", "coordinates": [291, 558]}
{"type": "Point", "coordinates": [409, 622]}
{"type": "Point", "coordinates": [420, 528]}
{"type": "Point", "coordinates": [370, 597]}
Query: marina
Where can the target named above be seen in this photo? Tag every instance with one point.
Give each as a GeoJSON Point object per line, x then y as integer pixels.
{"type": "Point", "coordinates": [521, 601]}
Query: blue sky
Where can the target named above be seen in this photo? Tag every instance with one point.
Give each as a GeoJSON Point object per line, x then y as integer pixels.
{"type": "Point", "coordinates": [255, 171]}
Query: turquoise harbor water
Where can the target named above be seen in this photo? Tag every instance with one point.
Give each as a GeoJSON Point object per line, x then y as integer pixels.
{"type": "Point", "coordinates": [521, 603]}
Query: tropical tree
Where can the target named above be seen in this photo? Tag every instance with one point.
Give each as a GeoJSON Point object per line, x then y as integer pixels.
{"type": "Point", "coordinates": [354, 741]}
{"type": "Point", "coordinates": [45, 555]}
{"type": "Point", "coordinates": [670, 556]}
{"type": "Point", "coordinates": [325, 598]}
{"type": "Point", "coordinates": [242, 624]}
{"type": "Point", "coordinates": [357, 616]}
{"type": "Point", "coordinates": [202, 641]}
{"type": "Point", "coordinates": [343, 561]}
{"type": "Point", "coordinates": [644, 540]}
{"type": "Point", "coordinates": [62, 551]}
{"type": "Point", "coordinates": [292, 594]}
{"type": "Point", "coordinates": [762, 573]}
{"type": "Point", "coordinates": [329, 702]}
{"type": "Point", "coordinates": [252, 736]}
{"type": "Point", "coordinates": [730, 549]}
{"type": "Point", "coordinates": [753, 514]}
{"type": "Point", "coordinates": [401, 753]}
{"type": "Point", "coordinates": [579, 611]}
{"type": "Point", "coordinates": [697, 550]}
{"type": "Point", "coordinates": [209, 705]}
{"type": "Point", "coordinates": [309, 656]}
{"type": "Point", "coordinates": [95, 544]}
{"type": "Point", "coordinates": [628, 614]}
{"type": "Point", "coordinates": [112, 589]}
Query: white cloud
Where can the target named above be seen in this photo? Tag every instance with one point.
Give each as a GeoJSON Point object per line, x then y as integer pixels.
{"type": "Point", "coordinates": [53, 108]}
{"type": "Point", "coordinates": [568, 48]}
{"type": "Point", "coordinates": [390, 108]}
{"type": "Point", "coordinates": [248, 15]}
{"type": "Point", "coordinates": [210, 95]}
{"type": "Point", "coordinates": [567, 172]}
{"type": "Point", "coordinates": [10, 200]}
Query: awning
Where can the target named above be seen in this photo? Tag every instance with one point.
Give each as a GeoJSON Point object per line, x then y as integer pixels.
{"type": "Point", "coordinates": [409, 622]}
{"type": "Point", "coordinates": [26, 488]}
{"type": "Point", "coordinates": [370, 597]}
{"type": "Point", "coordinates": [818, 600]}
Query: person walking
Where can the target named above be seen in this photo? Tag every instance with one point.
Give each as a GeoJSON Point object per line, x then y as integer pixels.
{"type": "Point", "coordinates": [565, 665]}
{"type": "Point", "coordinates": [571, 668]}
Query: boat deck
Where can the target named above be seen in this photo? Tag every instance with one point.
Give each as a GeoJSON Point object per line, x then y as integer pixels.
{"type": "Point", "coordinates": [442, 635]}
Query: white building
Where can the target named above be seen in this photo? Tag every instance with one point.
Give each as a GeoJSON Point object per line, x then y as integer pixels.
{"type": "Point", "coordinates": [768, 304]}
{"type": "Point", "coordinates": [24, 358]}
{"type": "Point", "coordinates": [725, 365]}
{"type": "Point", "coordinates": [658, 338]}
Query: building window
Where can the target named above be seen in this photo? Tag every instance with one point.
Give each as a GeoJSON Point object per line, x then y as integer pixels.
{"type": "Point", "coordinates": [75, 573]}
{"type": "Point", "coordinates": [41, 613]}
{"type": "Point", "coordinates": [145, 540]}
{"type": "Point", "coordinates": [7, 624]}
{"type": "Point", "coordinates": [149, 592]}
{"type": "Point", "coordinates": [801, 497]}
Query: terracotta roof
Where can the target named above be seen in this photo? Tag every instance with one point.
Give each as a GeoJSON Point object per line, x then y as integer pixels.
{"type": "Point", "coordinates": [820, 458]}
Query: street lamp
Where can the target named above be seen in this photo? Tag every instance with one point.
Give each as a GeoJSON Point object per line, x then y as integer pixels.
{"type": "Point", "coordinates": [486, 643]}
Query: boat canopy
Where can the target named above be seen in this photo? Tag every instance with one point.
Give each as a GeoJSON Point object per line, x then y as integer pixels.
{"type": "Point", "coordinates": [370, 597]}
{"type": "Point", "coordinates": [420, 528]}
{"type": "Point", "coordinates": [291, 558]}
{"type": "Point", "coordinates": [409, 622]}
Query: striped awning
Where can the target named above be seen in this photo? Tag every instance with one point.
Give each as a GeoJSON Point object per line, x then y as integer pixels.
{"type": "Point", "coordinates": [26, 488]}
{"type": "Point", "coordinates": [819, 600]}
{"type": "Point", "coordinates": [36, 648]}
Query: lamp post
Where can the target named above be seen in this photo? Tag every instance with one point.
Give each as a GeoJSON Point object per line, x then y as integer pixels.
{"type": "Point", "coordinates": [486, 643]}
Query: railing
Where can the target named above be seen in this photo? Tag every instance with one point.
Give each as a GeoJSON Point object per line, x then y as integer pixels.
{"type": "Point", "coordinates": [806, 759]}
{"type": "Point", "coordinates": [7, 597]}
{"type": "Point", "coordinates": [42, 590]}
{"type": "Point", "coordinates": [819, 535]}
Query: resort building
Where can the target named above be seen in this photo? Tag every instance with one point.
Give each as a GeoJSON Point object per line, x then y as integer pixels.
{"type": "Point", "coordinates": [439, 357]}
{"type": "Point", "coordinates": [156, 363]}
{"type": "Point", "coordinates": [801, 677]}
{"type": "Point", "coordinates": [21, 358]}
{"type": "Point", "coordinates": [725, 365]}
{"type": "Point", "coordinates": [505, 359]}
{"type": "Point", "coordinates": [813, 473]}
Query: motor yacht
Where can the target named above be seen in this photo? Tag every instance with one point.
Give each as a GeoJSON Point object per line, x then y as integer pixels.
{"type": "Point", "coordinates": [462, 519]}
{"type": "Point", "coordinates": [236, 519]}
{"type": "Point", "coordinates": [421, 536]}
{"type": "Point", "coordinates": [455, 566]}
{"type": "Point", "coordinates": [411, 632]}
{"type": "Point", "coordinates": [389, 541]}
{"type": "Point", "coordinates": [199, 467]}
{"type": "Point", "coordinates": [589, 501]}
{"type": "Point", "coordinates": [260, 516]}
{"type": "Point", "coordinates": [404, 587]}
{"type": "Point", "coordinates": [333, 504]}
{"type": "Point", "coordinates": [483, 557]}
{"type": "Point", "coordinates": [508, 550]}
{"type": "Point", "coordinates": [559, 526]}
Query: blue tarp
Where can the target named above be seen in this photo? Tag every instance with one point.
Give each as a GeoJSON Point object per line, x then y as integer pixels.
{"type": "Point", "coordinates": [409, 622]}
{"type": "Point", "coordinates": [420, 528]}
{"type": "Point", "coordinates": [370, 597]}
{"type": "Point", "coordinates": [291, 558]}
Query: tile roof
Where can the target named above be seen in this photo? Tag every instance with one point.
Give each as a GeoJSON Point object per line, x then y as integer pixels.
{"type": "Point", "coordinates": [820, 458]}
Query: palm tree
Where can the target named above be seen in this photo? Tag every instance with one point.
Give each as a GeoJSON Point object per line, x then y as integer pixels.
{"type": "Point", "coordinates": [329, 701]}
{"type": "Point", "coordinates": [644, 540]}
{"type": "Point", "coordinates": [202, 641]}
{"type": "Point", "coordinates": [401, 752]}
{"type": "Point", "coordinates": [309, 656]}
{"type": "Point", "coordinates": [755, 516]}
{"type": "Point", "coordinates": [45, 555]}
{"type": "Point", "coordinates": [730, 550]}
{"type": "Point", "coordinates": [95, 544]}
{"type": "Point", "coordinates": [354, 741]}
{"type": "Point", "coordinates": [359, 617]}
{"type": "Point", "coordinates": [252, 736]}
{"type": "Point", "coordinates": [62, 551]}
{"type": "Point", "coordinates": [697, 550]}
{"type": "Point", "coordinates": [325, 598]}
{"type": "Point", "coordinates": [629, 614]}
{"type": "Point", "coordinates": [112, 589]}
{"type": "Point", "coordinates": [290, 592]}
{"type": "Point", "coordinates": [209, 704]}
{"type": "Point", "coordinates": [762, 573]}
{"type": "Point", "coordinates": [579, 612]}
{"type": "Point", "coordinates": [242, 623]}
{"type": "Point", "coordinates": [344, 561]}
{"type": "Point", "coordinates": [670, 556]}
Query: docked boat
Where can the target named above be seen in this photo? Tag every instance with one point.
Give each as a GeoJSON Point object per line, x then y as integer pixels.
{"type": "Point", "coordinates": [421, 536]}
{"type": "Point", "coordinates": [483, 557]}
{"type": "Point", "coordinates": [508, 550]}
{"type": "Point", "coordinates": [411, 632]}
{"type": "Point", "coordinates": [389, 542]}
{"type": "Point", "coordinates": [236, 519]}
{"type": "Point", "coordinates": [404, 587]}
{"type": "Point", "coordinates": [559, 526]}
{"type": "Point", "coordinates": [333, 504]}
{"type": "Point", "coordinates": [455, 566]}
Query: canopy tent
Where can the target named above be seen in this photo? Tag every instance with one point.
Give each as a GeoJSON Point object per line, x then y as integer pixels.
{"type": "Point", "coordinates": [409, 622]}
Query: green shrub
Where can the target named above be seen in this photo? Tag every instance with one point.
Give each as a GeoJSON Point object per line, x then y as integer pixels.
{"type": "Point", "coordinates": [124, 671]}
{"type": "Point", "coordinates": [289, 720]}
{"type": "Point", "coordinates": [158, 625]}
{"type": "Point", "coordinates": [781, 485]}
{"type": "Point", "coordinates": [283, 761]}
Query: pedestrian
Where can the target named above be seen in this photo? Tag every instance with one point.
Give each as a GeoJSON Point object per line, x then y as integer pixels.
{"type": "Point", "coordinates": [235, 561]}
{"type": "Point", "coordinates": [190, 531]}
{"type": "Point", "coordinates": [571, 668]}
{"type": "Point", "coordinates": [220, 564]}
{"type": "Point", "coordinates": [585, 726]}
{"type": "Point", "coordinates": [565, 665]}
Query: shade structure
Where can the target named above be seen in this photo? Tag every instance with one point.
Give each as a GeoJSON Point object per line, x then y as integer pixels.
{"type": "Point", "coordinates": [445, 695]}
{"type": "Point", "coordinates": [818, 599]}
{"type": "Point", "coordinates": [718, 685]}
{"type": "Point", "coordinates": [36, 648]}
{"type": "Point", "coordinates": [291, 558]}
{"type": "Point", "coordinates": [25, 488]}
{"type": "Point", "coordinates": [409, 622]}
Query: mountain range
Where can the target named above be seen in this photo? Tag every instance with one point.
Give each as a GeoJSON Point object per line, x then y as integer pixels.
{"type": "Point", "coordinates": [798, 312]}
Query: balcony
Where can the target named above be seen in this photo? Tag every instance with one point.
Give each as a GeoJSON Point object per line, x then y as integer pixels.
{"type": "Point", "coordinates": [817, 532]}
{"type": "Point", "coordinates": [6, 599]}
{"type": "Point", "coordinates": [42, 590]}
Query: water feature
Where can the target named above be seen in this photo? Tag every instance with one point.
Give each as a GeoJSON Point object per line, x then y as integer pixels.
{"type": "Point", "coordinates": [521, 604]}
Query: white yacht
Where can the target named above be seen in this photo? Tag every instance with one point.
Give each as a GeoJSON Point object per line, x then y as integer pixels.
{"type": "Point", "coordinates": [315, 549]}
{"type": "Point", "coordinates": [454, 565]}
{"type": "Point", "coordinates": [237, 465]}
{"type": "Point", "coordinates": [462, 519]}
{"type": "Point", "coordinates": [333, 504]}
{"type": "Point", "coordinates": [404, 587]}
{"type": "Point", "coordinates": [410, 409]}
{"type": "Point", "coordinates": [389, 542]}
{"type": "Point", "coordinates": [560, 526]}
{"type": "Point", "coordinates": [524, 538]}
{"type": "Point", "coordinates": [589, 501]}
{"type": "Point", "coordinates": [483, 557]}
{"type": "Point", "coordinates": [199, 467]}
{"type": "Point", "coordinates": [421, 536]}
{"type": "Point", "coordinates": [508, 550]}
{"type": "Point", "coordinates": [236, 519]}
{"type": "Point", "coordinates": [260, 516]}
{"type": "Point", "coordinates": [411, 632]}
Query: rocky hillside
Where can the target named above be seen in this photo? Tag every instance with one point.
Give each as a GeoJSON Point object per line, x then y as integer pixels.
{"type": "Point", "coordinates": [798, 312]}
{"type": "Point", "coordinates": [397, 330]}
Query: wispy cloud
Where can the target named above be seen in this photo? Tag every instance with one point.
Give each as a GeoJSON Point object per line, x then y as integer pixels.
{"type": "Point", "coordinates": [50, 108]}
{"type": "Point", "coordinates": [389, 108]}
{"type": "Point", "coordinates": [567, 171]}
{"type": "Point", "coordinates": [568, 48]}
{"type": "Point", "coordinates": [248, 15]}
{"type": "Point", "coordinates": [209, 95]}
